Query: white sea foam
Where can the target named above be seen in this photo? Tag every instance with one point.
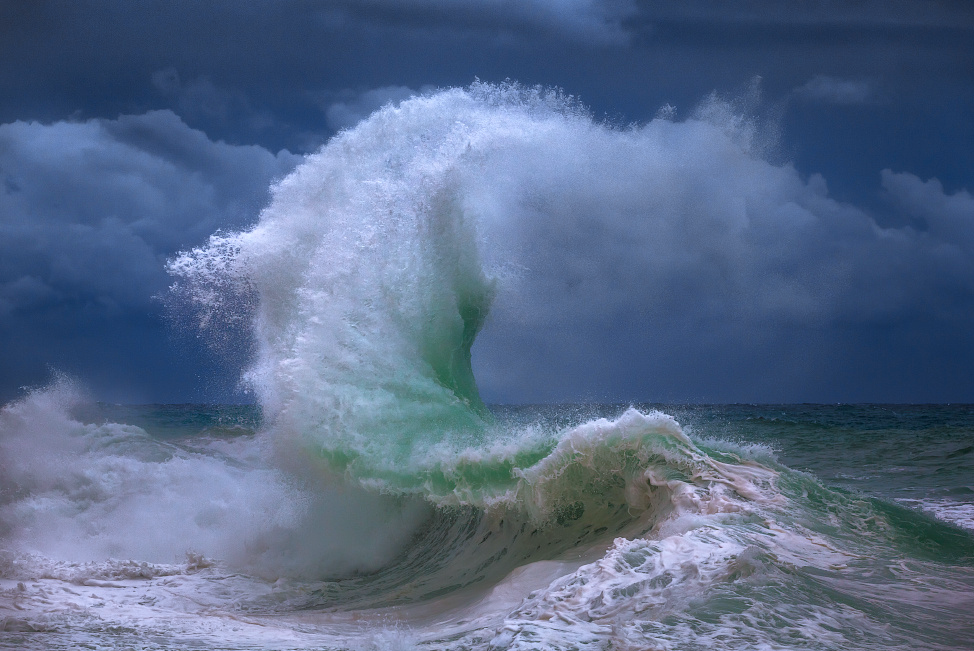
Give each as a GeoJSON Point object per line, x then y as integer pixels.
{"type": "Point", "coordinates": [953, 511]}
{"type": "Point", "coordinates": [83, 492]}
{"type": "Point", "coordinates": [79, 493]}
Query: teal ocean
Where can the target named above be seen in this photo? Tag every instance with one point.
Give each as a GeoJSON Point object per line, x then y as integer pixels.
{"type": "Point", "coordinates": [372, 500]}
{"type": "Point", "coordinates": [595, 527]}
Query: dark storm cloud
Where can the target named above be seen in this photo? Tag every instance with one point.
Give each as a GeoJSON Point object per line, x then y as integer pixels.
{"type": "Point", "coordinates": [832, 90]}
{"type": "Point", "coordinates": [703, 271]}
{"type": "Point", "coordinates": [592, 20]}
{"type": "Point", "coordinates": [863, 13]}
{"type": "Point", "coordinates": [255, 72]}
{"type": "Point", "coordinates": [938, 216]}
{"type": "Point", "coordinates": [220, 58]}
{"type": "Point", "coordinates": [90, 210]}
{"type": "Point", "coordinates": [347, 108]}
{"type": "Point", "coordinates": [200, 99]}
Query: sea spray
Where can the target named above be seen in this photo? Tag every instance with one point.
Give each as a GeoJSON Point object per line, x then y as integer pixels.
{"type": "Point", "coordinates": [370, 282]}
{"type": "Point", "coordinates": [80, 491]}
{"type": "Point", "coordinates": [83, 498]}
{"type": "Point", "coordinates": [381, 257]}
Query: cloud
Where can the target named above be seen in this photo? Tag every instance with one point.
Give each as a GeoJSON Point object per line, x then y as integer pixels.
{"type": "Point", "coordinates": [614, 22]}
{"type": "Point", "coordinates": [947, 219]}
{"type": "Point", "coordinates": [600, 21]}
{"type": "Point", "coordinates": [90, 210]}
{"type": "Point", "coordinates": [675, 259]}
{"type": "Point", "coordinates": [832, 90]}
{"type": "Point", "coordinates": [697, 275]}
{"type": "Point", "coordinates": [92, 205]}
{"type": "Point", "coordinates": [347, 108]}
{"type": "Point", "coordinates": [25, 292]}
{"type": "Point", "coordinates": [224, 67]}
{"type": "Point", "coordinates": [200, 100]}
{"type": "Point", "coordinates": [866, 13]}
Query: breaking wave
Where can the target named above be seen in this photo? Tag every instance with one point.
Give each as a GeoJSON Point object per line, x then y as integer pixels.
{"type": "Point", "coordinates": [379, 484]}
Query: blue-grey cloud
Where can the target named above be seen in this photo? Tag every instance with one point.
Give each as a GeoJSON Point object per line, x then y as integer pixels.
{"type": "Point", "coordinates": [201, 99]}
{"type": "Point", "coordinates": [866, 13]}
{"type": "Point", "coordinates": [347, 108]}
{"type": "Point", "coordinates": [90, 210]}
{"type": "Point", "coordinates": [601, 21]}
{"type": "Point", "coordinates": [947, 220]}
{"type": "Point", "coordinates": [833, 90]}
{"type": "Point", "coordinates": [698, 263]}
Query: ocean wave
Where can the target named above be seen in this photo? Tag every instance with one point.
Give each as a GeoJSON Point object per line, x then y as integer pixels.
{"type": "Point", "coordinates": [379, 502]}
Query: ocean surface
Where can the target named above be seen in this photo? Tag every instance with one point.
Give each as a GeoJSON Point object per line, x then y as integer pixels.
{"type": "Point", "coordinates": [372, 500]}
{"type": "Point", "coordinates": [577, 527]}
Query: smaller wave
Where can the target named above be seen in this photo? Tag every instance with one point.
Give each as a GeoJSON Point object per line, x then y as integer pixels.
{"type": "Point", "coordinates": [86, 492]}
{"type": "Point", "coordinates": [104, 573]}
{"type": "Point", "coordinates": [952, 511]}
{"type": "Point", "coordinates": [599, 462]}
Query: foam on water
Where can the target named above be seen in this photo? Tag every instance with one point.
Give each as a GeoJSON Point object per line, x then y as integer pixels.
{"type": "Point", "coordinates": [80, 492]}
{"type": "Point", "coordinates": [956, 512]}
{"type": "Point", "coordinates": [65, 482]}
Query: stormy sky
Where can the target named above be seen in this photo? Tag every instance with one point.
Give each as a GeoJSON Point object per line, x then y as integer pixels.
{"type": "Point", "coordinates": [132, 131]}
